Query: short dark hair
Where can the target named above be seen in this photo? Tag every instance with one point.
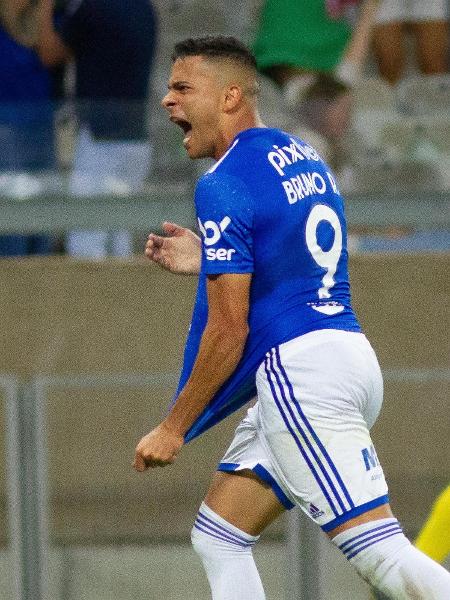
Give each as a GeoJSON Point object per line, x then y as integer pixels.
{"type": "Point", "coordinates": [215, 46]}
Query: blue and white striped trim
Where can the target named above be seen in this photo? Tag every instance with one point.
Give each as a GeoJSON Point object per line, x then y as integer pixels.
{"type": "Point", "coordinates": [219, 532]}
{"type": "Point", "coordinates": [355, 512]}
{"type": "Point", "coordinates": [263, 474]}
{"type": "Point", "coordinates": [311, 448]}
{"type": "Point", "coordinates": [215, 165]}
{"type": "Point", "coordinates": [368, 538]}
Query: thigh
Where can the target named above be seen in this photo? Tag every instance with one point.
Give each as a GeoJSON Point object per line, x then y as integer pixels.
{"type": "Point", "coordinates": [316, 395]}
{"type": "Point", "coordinates": [244, 500]}
{"type": "Point", "coordinates": [245, 491]}
{"type": "Point", "coordinates": [247, 453]}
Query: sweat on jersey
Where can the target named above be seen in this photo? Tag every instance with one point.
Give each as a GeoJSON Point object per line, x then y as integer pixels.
{"type": "Point", "coordinates": [270, 206]}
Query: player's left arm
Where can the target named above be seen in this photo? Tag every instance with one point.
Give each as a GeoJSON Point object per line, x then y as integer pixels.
{"type": "Point", "coordinates": [221, 348]}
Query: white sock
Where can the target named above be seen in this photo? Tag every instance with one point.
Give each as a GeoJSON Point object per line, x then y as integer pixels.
{"type": "Point", "coordinates": [226, 553]}
{"type": "Point", "coordinates": [387, 560]}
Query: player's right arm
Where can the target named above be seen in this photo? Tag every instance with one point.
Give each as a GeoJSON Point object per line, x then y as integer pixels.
{"type": "Point", "coordinates": [179, 251]}
{"type": "Point", "coordinates": [220, 351]}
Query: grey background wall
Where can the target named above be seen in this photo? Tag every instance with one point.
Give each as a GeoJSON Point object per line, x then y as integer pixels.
{"type": "Point", "coordinates": [68, 317]}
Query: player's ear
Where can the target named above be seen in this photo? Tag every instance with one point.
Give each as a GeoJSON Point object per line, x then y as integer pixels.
{"type": "Point", "coordinates": [231, 98]}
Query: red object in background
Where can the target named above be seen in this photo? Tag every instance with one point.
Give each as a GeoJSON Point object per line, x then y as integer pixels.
{"type": "Point", "coordinates": [335, 8]}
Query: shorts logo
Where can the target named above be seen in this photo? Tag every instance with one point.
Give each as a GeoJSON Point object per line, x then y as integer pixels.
{"type": "Point", "coordinates": [211, 231]}
{"type": "Point", "coordinates": [370, 458]}
{"type": "Point", "coordinates": [315, 512]}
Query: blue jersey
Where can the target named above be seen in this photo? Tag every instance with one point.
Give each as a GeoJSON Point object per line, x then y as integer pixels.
{"type": "Point", "coordinates": [270, 207]}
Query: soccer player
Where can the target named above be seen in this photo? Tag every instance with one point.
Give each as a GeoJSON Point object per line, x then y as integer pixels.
{"type": "Point", "coordinates": [273, 317]}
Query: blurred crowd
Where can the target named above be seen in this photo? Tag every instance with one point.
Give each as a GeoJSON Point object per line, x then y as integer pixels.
{"type": "Point", "coordinates": [322, 52]}
{"type": "Point", "coordinates": [110, 47]}
{"type": "Point", "coordinates": [365, 82]}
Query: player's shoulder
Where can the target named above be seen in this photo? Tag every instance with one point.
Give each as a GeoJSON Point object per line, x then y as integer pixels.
{"type": "Point", "coordinates": [259, 151]}
{"type": "Point", "coordinates": [225, 186]}
{"type": "Point", "coordinates": [229, 182]}
{"type": "Point", "coordinates": [231, 170]}
{"type": "Point", "coordinates": [255, 159]}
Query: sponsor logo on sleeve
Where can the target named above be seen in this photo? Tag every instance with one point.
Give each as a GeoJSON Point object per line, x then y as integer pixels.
{"type": "Point", "coordinates": [212, 233]}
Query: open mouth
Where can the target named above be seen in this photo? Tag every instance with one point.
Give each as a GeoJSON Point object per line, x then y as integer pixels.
{"type": "Point", "coordinates": [185, 126]}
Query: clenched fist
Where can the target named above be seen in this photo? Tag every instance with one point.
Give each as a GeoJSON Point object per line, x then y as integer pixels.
{"type": "Point", "coordinates": [158, 448]}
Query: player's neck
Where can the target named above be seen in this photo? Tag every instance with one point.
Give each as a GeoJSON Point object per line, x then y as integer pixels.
{"type": "Point", "coordinates": [233, 127]}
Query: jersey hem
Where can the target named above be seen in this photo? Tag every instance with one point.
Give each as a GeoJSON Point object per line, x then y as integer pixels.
{"type": "Point", "coordinates": [347, 325]}
{"type": "Point", "coordinates": [221, 271]}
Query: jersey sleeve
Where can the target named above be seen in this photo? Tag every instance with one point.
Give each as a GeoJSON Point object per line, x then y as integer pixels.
{"type": "Point", "coordinates": [224, 209]}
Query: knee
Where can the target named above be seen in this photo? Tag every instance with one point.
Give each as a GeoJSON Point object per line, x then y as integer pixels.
{"type": "Point", "coordinates": [212, 546]}
{"type": "Point", "coordinates": [212, 537]}
{"type": "Point", "coordinates": [201, 543]}
{"type": "Point", "coordinates": [370, 547]}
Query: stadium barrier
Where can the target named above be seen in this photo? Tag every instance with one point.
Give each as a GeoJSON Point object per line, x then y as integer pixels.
{"type": "Point", "coordinates": [74, 321]}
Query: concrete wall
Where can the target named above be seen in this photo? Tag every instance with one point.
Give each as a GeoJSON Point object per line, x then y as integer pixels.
{"type": "Point", "coordinates": [69, 317]}
{"type": "Point", "coordinates": [3, 523]}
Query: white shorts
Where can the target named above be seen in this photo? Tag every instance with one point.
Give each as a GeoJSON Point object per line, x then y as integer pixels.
{"type": "Point", "coordinates": [393, 11]}
{"type": "Point", "coordinates": [308, 434]}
